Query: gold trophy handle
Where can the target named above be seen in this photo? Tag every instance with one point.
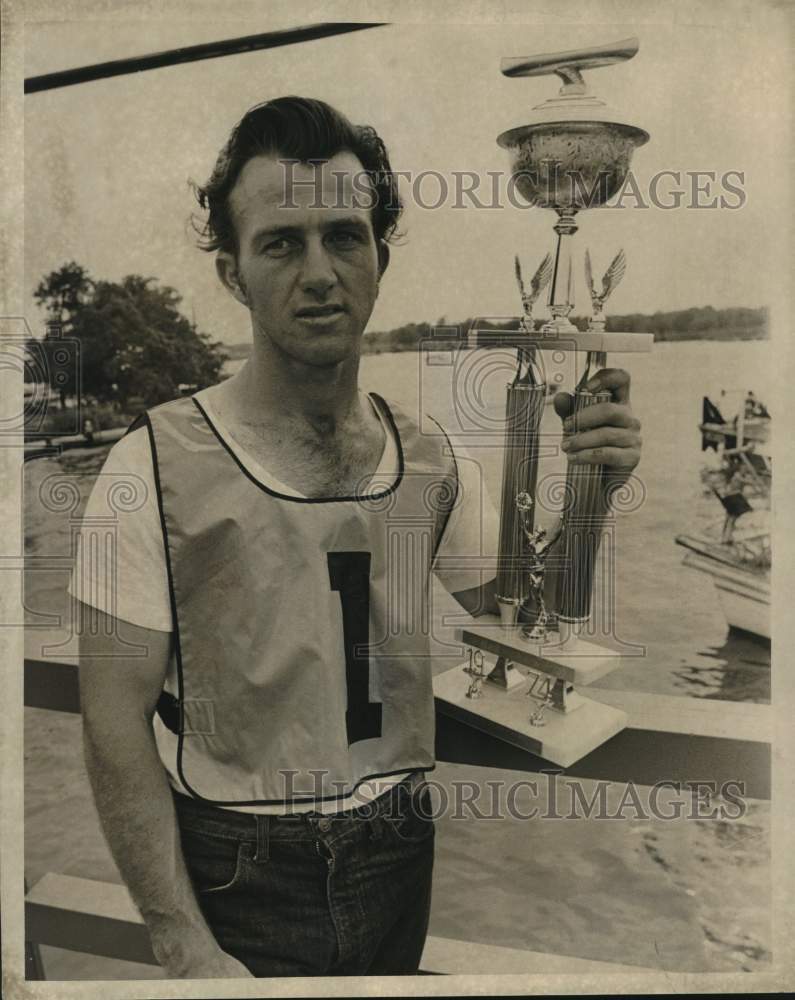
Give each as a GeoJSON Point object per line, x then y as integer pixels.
{"type": "Point", "coordinates": [569, 65]}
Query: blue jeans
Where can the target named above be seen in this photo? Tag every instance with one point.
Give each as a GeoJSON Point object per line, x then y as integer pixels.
{"type": "Point", "coordinates": [307, 895]}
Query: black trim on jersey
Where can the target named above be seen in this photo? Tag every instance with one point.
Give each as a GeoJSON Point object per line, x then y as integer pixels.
{"type": "Point", "coordinates": [170, 709]}
{"type": "Point", "coordinates": [312, 799]}
{"type": "Point", "coordinates": [139, 421]}
{"type": "Point", "coordinates": [384, 408]}
{"type": "Point", "coordinates": [454, 501]}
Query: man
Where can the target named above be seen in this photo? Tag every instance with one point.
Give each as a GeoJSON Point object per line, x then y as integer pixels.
{"type": "Point", "coordinates": [258, 770]}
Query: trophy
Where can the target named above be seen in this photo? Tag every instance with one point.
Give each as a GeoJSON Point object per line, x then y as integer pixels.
{"type": "Point", "coordinates": [574, 154]}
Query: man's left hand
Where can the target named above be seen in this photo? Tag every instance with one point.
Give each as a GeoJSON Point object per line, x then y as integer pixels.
{"type": "Point", "coordinates": [607, 433]}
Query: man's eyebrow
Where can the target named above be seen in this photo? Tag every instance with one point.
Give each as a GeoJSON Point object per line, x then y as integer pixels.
{"type": "Point", "coordinates": [267, 231]}
{"type": "Point", "coordinates": [344, 222]}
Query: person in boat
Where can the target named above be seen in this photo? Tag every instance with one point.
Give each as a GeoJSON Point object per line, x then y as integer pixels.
{"type": "Point", "coordinates": [256, 695]}
{"type": "Point", "coordinates": [754, 407]}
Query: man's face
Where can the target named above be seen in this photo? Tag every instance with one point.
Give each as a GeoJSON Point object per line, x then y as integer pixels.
{"type": "Point", "coordinates": [307, 264]}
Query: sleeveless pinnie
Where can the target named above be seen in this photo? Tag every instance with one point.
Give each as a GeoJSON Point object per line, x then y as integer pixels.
{"type": "Point", "coordinates": [300, 624]}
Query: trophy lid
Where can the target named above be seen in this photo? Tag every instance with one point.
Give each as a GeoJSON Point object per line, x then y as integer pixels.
{"type": "Point", "coordinates": [574, 102]}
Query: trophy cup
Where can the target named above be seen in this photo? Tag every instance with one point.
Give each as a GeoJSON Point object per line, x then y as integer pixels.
{"type": "Point", "coordinates": [573, 155]}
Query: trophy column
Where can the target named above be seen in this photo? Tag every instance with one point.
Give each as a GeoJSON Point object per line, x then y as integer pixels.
{"type": "Point", "coordinates": [561, 299]}
{"type": "Point", "coordinates": [523, 409]}
{"type": "Point", "coordinates": [582, 525]}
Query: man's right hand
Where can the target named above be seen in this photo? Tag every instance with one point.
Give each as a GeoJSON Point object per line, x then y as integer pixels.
{"type": "Point", "coordinates": [118, 694]}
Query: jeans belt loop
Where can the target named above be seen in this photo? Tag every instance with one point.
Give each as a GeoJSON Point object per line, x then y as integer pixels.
{"type": "Point", "coordinates": [263, 826]}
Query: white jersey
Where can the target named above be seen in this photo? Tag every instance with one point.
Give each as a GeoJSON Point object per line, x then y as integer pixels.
{"type": "Point", "coordinates": [301, 625]}
{"type": "Point", "coordinates": [139, 590]}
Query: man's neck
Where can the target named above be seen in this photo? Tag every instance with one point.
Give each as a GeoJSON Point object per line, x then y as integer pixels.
{"type": "Point", "coordinates": [273, 390]}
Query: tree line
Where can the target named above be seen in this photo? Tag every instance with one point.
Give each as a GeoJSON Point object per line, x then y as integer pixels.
{"type": "Point", "coordinates": [697, 323]}
{"type": "Point", "coordinates": [134, 347]}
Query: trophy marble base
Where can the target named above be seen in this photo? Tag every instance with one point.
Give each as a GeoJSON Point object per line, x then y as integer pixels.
{"type": "Point", "coordinates": [505, 675]}
{"type": "Point", "coordinates": [555, 721]}
{"type": "Point", "coordinates": [563, 739]}
{"type": "Point", "coordinates": [580, 663]}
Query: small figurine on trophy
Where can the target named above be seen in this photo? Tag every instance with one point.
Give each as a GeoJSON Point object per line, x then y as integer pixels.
{"type": "Point", "coordinates": [596, 323]}
{"type": "Point", "coordinates": [538, 546]}
{"type": "Point", "coordinates": [538, 283]}
{"type": "Point", "coordinates": [612, 277]}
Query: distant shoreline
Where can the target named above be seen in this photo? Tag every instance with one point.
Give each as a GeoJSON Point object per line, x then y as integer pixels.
{"type": "Point", "coordinates": [374, 344]}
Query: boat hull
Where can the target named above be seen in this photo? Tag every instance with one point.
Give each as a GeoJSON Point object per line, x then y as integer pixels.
{"type": "Point", "coordinates": [744, 595]}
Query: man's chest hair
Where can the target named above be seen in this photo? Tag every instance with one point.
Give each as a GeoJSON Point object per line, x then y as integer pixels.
{"type": "Point", "coordinates": [314, 465]}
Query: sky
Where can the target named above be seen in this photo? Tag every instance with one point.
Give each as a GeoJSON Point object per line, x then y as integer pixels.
{"type": "Point", "coordinates": [107, 164]}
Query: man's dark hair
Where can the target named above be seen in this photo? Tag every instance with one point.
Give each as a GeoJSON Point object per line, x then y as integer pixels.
{"type": "Point", "coordinates": [303, 129]}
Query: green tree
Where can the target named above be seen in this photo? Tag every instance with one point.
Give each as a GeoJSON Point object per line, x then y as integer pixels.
{"type": "Point", "coordinates": [134, 342]}
{"type": "Point", "coordinates": [63, 292]}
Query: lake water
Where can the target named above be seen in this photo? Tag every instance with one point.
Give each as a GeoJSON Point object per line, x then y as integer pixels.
{"type": "Point", "coordinates": [667, 622]}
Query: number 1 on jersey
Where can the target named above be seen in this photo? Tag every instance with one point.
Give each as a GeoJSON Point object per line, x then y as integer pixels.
{"type": "Point", "coordinates": [349, 573]}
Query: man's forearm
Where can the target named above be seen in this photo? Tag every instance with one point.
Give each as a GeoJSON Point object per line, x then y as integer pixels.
{"type": "Point", "coordinates": [134, 801]}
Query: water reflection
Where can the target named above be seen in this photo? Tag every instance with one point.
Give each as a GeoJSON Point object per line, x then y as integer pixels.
{"type": "Point", "coordinates": [739, 670]}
